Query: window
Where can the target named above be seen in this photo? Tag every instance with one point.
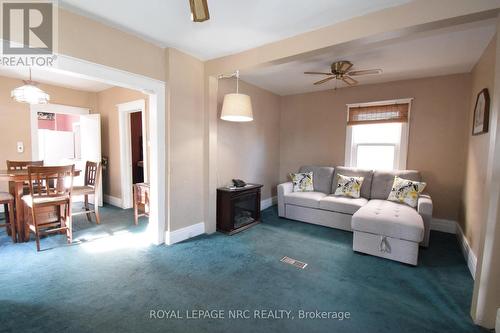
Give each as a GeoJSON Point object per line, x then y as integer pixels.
{"type": "Point", "coordinates": [377, 135]}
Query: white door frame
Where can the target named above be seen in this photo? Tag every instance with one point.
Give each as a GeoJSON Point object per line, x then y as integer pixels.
{"type": "Point", "coordinates": [156, 90]}
{"type": "Point", "coordinates": [51, 108]}
{"type": "Point", "coordinates": [125, 110]}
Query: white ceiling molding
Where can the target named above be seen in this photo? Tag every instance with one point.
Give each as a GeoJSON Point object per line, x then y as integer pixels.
{"type": "Point", "coordinates": [44, 75]}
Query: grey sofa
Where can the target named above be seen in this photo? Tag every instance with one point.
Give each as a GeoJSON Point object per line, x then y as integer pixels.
{"type": "Point", "coordinates": [383, 228]}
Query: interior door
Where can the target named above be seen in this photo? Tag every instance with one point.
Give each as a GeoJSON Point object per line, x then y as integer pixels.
{"type": "Point", "coordinates": [90, 137]}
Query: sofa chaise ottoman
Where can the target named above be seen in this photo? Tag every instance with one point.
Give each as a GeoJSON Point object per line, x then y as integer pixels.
{"type": "Point", "coordinates": [382, 228]}
{"type": "Point", "coordinates": [389, 230]}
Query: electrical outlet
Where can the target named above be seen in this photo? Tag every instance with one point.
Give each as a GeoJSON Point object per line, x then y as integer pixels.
{"type": "Point", "coordinates": [20, 147]}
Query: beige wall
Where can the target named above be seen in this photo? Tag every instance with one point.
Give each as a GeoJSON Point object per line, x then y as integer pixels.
{"type": "Point", "coordinates": [110, 133]}
{"type": "Point", "coordinates": [473, 213]}
{"type": "Point", "coordinates": [313, 130]}
{"type": "Point", "coordinates": [84, 38]}
{"type": "Point", "coordinates": [250, 151]}
{"type": "Point", "coordinates": [185, 131]}
{"type": "Point", "coordinates": [15, 121]}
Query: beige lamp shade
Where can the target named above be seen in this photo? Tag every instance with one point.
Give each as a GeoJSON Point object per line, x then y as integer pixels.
{"type": "Point", "coordinates": [237, 107]}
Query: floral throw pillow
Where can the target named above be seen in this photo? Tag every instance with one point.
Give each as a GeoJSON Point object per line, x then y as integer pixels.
{"type": "Point", "coordinates": [302, 182]}
{"type": "Point", "coordinates": [406, 191]}
{"type": "Point", "coordinates": [348, 186]}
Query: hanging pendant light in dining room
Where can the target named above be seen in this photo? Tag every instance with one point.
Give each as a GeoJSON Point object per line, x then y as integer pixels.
{"type": "Point", "coordinates": [236, 107]}
{"type": "Point", "coordinates": [30, 93]}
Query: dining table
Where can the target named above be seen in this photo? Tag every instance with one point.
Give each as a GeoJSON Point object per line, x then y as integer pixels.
{"type": "Point", "coordinates": [16, 180]}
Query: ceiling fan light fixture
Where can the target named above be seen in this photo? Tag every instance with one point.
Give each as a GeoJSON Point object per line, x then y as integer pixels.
{"type": "Point", "coordinates": [341, 66]}
{"type": "Point", "coordinates": [199, 10]}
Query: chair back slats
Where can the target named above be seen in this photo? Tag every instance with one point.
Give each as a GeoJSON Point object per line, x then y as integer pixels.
{"type": "Point", "coordinates": [51, 181]}
{"type": "Point", "coordinates": [22, 165]}
{"type": "Point", "coordinates": [91, 173]}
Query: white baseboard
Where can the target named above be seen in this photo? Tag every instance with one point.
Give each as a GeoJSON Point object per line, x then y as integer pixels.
{"type": "Point", "coordinates": [114, 201]}
{"type": "Point", "coordinates": [443, 225]}
{"type": "Point", "coordinates": [497, 325]}
{"type": "Point", "coordinates": [266, 203]}
{"type": "Point", "coordinates": [470, 257]}
{"type": "Point", "coordinates": [180, 235]}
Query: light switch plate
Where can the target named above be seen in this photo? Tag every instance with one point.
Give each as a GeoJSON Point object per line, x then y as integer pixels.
{"type": "Point", "coordinates": [20, 147]}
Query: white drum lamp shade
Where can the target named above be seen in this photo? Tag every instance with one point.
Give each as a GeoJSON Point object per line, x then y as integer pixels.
{"type": "Point", "coordinates": [237, 107]}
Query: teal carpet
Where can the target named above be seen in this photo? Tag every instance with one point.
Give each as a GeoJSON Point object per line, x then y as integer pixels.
{"type": "Point", "coordinates": [110, 281]}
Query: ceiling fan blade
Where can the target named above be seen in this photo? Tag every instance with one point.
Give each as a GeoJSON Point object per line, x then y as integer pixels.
{"type": "Point", "coordinates": [349, 80]}
{"type": "Point", "coordinates": [324, 80]}
{"type": "Point", "coordinates": [365, 72]}
{"type": "Point", "coordinates": [320, 73]}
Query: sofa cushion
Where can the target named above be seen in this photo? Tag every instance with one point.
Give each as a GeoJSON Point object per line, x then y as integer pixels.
{"type": "Point", "coordinates": [322, 177]}
{"type": "Point", "coordinates": [383, 180]}
{"type": "Point", "coordinates": [302, 182]}
{"type": "Point", "coordinates": [348, 186]}
{"type": "Point", "coordinates": [406, 191]}
{"type": "Point", "coordinates": [391, 219]}
{"type": "Point", "coordinates": [342, 204]}
{"type": "Point", "coordinates": [353, 172]}
{"type": "Point", "coordinates": [304, 199]}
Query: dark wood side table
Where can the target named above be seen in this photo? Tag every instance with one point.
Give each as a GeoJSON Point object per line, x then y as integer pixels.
{"type": "Point", "coordinates": [238, 208]}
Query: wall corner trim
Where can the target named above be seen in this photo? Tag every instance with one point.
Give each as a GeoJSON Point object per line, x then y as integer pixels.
{"type": "Point", "coordinates": [114, 201]}
{"type": "Point", "coordinates": [266, 203]}
{"type": "Point", "coordinates": [470, 257]}
{"type": "Point", "coordinates": [176, 236]}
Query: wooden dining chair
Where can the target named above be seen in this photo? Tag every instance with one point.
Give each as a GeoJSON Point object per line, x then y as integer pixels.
{"type": "Point", "coordinates": [141, 201]}
{"type": "Point", "coordinates": [48, 206]}
{"type": "Point", "coordinates": [22, 165]}
{"type": "Point", "coordinates": [7, 200]}
{"type": "Point", "coordinates": [91, 187]}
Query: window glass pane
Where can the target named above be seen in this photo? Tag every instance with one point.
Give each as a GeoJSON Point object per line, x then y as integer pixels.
{"type": "Point", "coordinates": [378, 157]}
{"type": "Point", "coordinates": [377, 133]}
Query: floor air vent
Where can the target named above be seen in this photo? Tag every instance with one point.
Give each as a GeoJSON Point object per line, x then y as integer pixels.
{"type": "Point", "coordinates": [293, 262]}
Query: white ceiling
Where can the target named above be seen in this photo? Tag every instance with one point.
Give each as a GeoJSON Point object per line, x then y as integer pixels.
{"type": "Point", "coordinates": [234, 25]}
{"type": "Point", "coordinates": [438, 52]}
{"type": "Point", "coordinates": [52, 77]}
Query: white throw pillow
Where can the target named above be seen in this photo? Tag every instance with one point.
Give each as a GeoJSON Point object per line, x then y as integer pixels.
{"type": "Point", "coordinates": [348, 186]}
{"type": "Point", "coordinates": [406, 191]}
{"type": "Point", "coordinates": [302, 182]}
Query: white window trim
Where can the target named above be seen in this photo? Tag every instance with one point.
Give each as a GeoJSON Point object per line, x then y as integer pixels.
{"type": "Point", "coordinates": [401, 149]}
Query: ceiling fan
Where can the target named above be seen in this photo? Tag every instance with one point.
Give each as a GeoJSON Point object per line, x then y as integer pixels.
{"type": "Point", "coordinates": [340, 70]}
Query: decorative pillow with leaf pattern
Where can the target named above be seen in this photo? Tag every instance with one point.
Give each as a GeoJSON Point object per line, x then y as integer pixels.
{"type": "Point", "coordinates": [302, 182]}
{"type": "Point", "coordinates": [406, 191]}
{"type": "Point", "coordinates": [348, 186]}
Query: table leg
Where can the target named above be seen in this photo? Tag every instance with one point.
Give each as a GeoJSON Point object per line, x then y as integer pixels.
{"type": "Point", "coordinates": [16, 189]}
